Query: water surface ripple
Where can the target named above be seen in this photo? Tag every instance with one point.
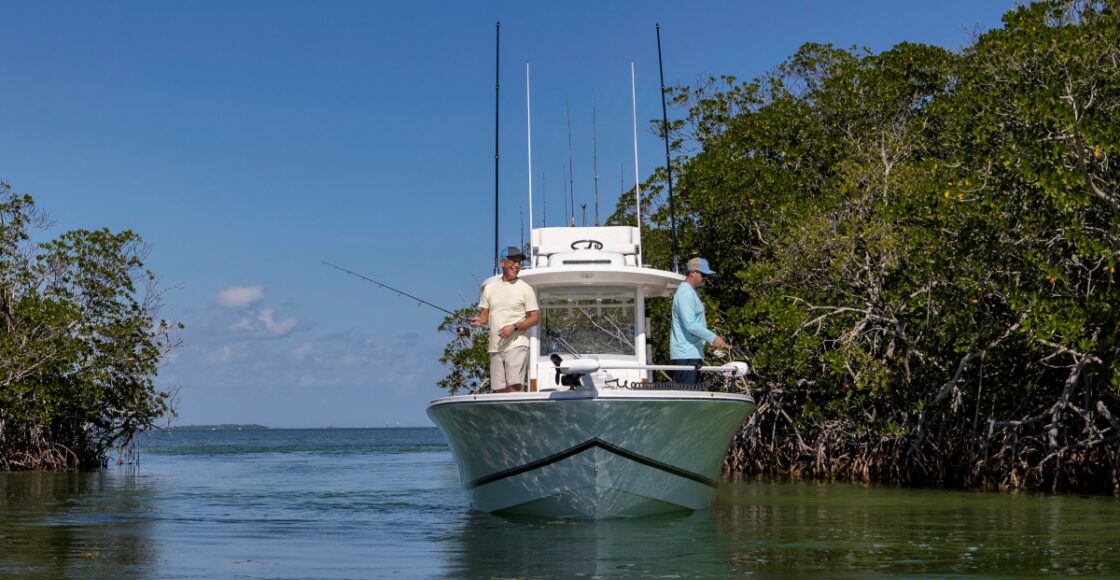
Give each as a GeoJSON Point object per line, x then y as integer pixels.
{"type": "Point", "coordinates": [378, 503]}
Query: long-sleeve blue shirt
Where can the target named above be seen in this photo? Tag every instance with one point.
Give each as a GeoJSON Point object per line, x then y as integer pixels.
{"type": "Point", "coordinates": [690, 328]}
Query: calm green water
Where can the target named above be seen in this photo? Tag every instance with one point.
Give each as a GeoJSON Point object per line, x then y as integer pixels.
{"type": "Point", "coordinates": [386, 503]}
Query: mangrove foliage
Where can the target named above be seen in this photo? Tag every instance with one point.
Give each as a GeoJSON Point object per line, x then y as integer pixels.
{"type": "Point", "coordinates": [917, 252]}
{"type": "Point", "coordinates": [80, 344]}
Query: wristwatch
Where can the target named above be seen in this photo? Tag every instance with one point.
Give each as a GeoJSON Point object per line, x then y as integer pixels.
{"type": "Point", "coordinates": [516, 328]}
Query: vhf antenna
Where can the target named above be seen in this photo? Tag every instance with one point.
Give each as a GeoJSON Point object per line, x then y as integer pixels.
{"type": "Point", "coordinates": [595, 158]}
{"type": "Point", "coordinates": [571, 179]}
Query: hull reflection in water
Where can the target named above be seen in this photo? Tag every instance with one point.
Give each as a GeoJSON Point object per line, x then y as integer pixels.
{"type": "Point", "coordinates": [679, 545]}
{"type": "Point", "coordinates": [590, 453]}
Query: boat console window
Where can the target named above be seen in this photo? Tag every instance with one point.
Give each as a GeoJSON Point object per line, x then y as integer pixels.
{"type": "Point", "coordinates": [581, 324]}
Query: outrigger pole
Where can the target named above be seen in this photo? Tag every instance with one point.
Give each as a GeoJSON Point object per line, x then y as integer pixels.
{"type": "Point", "coordinates": [668, 164]}
{"type": "Point", "coordinates": [497, 156]}
{"type": "Point", "coordinates": [529, 144]}
{"type": "Point", "coordinates": [637, 178]}
{"type": "Point", "coordinates": [388, 287]}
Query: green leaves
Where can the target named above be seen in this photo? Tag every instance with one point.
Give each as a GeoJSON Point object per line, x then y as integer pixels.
{"type": "Point", "coordinates": [918, 238]}
{"type": "Point", "coordinates": [79, 348]}
{"type": "Point", "coordinates": [465, 354]}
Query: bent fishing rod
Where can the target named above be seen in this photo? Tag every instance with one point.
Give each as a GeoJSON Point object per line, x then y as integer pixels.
{"type": "Point", "coordinates": [388, 287]}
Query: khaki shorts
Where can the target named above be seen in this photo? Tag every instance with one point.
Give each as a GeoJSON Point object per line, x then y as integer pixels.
{"type": "Point", "coordinates": [508, 368]}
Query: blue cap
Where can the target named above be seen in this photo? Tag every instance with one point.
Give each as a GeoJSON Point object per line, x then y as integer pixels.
{"type": "Point", "coordinates": [511, 252]}
{"type": "Point", "coordinates": [700, 265]}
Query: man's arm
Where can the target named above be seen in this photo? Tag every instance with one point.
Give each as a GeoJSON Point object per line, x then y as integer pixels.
{"type": "Point", "coordinates": [531, 319]}
{"type": "Point", "coordinates": [482, 319]}
{"type": "Point", "coordinates": [692, 319]}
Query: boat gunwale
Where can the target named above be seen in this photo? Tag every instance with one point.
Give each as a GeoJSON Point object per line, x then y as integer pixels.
{"type": "Point", "coordinates": [593, 395]}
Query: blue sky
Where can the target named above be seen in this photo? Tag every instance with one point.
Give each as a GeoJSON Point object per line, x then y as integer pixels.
{"type": "Point", "coordinates": [247, 141]}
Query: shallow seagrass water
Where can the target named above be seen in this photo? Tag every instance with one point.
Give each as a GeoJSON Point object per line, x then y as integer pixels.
{"type": "Point", "coordinates": [386, 503]}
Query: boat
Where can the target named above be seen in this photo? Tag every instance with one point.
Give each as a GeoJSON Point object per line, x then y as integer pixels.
{"type": "Point", "coordinates": [595, 435]}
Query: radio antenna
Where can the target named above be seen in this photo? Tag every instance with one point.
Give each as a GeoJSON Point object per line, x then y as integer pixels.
{"type": "Point", "coordinates": [595, 158]}
{"type": "Point", "coordinates": [571, 177]}
{"type": "Point", "coordinates": [564, 182]}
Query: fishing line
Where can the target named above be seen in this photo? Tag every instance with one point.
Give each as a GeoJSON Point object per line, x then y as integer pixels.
{"type": "Point", "coordinates": [388, 287]}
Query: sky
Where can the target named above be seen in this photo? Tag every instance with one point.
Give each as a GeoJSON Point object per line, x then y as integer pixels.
{"type": "Point", "coordinates": [248, 141]}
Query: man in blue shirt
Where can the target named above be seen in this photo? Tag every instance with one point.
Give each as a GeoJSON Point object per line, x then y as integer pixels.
{"type": "Point", "coordinates": [690, 329]}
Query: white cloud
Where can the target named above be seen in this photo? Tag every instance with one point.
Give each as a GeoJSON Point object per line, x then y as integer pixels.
{"type": "Point", "coordinates": [265, 324]}
{"type": "Point", "coordinates": [277, 327]}
{"type": "Point", "coordinates": [240, 296]}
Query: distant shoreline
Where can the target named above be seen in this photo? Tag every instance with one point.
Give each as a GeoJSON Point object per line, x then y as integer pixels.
{"type": "Point", "coordinates": [222, 427]}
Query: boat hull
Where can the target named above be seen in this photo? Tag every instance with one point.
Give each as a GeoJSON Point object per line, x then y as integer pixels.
{"type": "Point", "coordinates": [588, 453]}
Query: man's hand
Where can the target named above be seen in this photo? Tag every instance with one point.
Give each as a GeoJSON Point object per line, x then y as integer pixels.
{"type": "Point", "coordinates": [718, 342]}
{"type": "Point", "coordinates": [506, 331]}
{"type": "Point", "coordinates": [475, 321]}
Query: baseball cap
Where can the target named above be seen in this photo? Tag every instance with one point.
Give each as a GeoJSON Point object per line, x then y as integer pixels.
{"type": "Point", "coordinates": [511, 252]}
{"type": "Point", "coordinates": [700, 265]}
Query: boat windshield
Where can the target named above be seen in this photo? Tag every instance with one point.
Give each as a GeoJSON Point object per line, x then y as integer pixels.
{"type": "Point", "coordinates": [576, 322]}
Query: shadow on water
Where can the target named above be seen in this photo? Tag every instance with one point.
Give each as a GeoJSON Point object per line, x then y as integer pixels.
{"type": "Point", "coordinates": [90, 525]}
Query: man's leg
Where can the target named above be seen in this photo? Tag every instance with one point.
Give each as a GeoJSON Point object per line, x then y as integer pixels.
{"type": "Point", "coordinates": [497, 374]}
{"type": "Point", "coordinates": [689, 377]}
{"type": "Point", "coordinates": [516, 367]}
{"type": "Point", "coordinates": [510, 365]}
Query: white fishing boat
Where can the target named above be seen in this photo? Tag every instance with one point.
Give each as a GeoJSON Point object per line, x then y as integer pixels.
{"type": "Point", "coordinates": [595, 436]}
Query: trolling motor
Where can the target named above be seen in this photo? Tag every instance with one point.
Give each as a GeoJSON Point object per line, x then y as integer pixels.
{"type": "Point", "coordinates": [569, 376]}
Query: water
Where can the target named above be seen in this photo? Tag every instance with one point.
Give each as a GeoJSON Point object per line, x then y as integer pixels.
{"type": "Point", "coordinates": [386, 503]}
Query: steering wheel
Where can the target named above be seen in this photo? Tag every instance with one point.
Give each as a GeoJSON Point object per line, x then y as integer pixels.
{"type": "Point", "coordinates": [591, 244]}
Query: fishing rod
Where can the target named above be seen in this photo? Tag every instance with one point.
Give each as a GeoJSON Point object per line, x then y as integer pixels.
{"type": "Point", "coordinates": [386, 286]}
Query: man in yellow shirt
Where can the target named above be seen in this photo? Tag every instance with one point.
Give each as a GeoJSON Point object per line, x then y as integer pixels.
{"type": "Point", "coordinates": [508, 306]}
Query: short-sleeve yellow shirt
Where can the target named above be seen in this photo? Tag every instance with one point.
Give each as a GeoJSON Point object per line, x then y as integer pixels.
{"type": "Point", "coordinates": [508, 302]}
